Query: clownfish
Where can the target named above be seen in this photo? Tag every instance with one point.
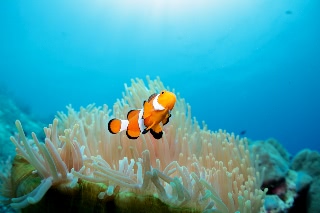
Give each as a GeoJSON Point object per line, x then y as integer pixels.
{"type": "Point", "coordinates": [155, 110]}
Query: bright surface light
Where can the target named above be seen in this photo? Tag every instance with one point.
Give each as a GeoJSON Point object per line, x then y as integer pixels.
{"type": "Point", "coordinates": [155, 7]}
{"type": "Point", "coordinates": [159, 6]}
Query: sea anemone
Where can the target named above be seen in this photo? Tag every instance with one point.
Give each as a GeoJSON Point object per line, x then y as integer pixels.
{"type": "Point", "coordinates": [190, 169]}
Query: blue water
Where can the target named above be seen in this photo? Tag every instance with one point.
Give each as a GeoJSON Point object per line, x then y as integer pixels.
{"type": "Point", "coordinates": [243, 65]}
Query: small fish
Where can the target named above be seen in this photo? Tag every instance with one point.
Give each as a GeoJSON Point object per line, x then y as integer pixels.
{"type": "Point", "coordinates": [243, 132]}
{"type": "Point", "coordinates": [155, 110]}
{"type": "Point", "coordinates": [289, 12]}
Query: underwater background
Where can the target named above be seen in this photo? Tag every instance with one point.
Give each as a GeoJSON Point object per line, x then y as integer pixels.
{"type": "Point", "coordinates": [246, 66]}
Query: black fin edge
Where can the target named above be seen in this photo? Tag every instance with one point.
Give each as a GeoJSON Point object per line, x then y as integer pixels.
{"type": "Point", "coordinates": [156, 135]}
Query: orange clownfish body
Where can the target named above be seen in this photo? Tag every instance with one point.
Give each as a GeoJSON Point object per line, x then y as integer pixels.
{"type": "Point", "coordinates": [155, 110]}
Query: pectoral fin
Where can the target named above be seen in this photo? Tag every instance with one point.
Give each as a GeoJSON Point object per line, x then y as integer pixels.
{"type": "Point", "coordinates": [166, 119]}
{"type": "Point", "coordinates": [147, 109]}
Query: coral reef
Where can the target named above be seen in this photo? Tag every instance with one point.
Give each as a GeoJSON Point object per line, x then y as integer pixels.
{"type": "Point", "coordinates": [308, 161]}
{"type": "Point", "coordinates": [287, 186]}
{"type": "Point", "coordinates": [276, 167]}
{"type": "Point", "coordinates": [313, 196]}
{"type": "Point", "coordinates": [9, 112]}
{"type": "Point", "coordinates": [5, 179]}
{"type": "Point", "coordinates": [189, 169]}
{"type": "Point", "coordinates": [77, 165]}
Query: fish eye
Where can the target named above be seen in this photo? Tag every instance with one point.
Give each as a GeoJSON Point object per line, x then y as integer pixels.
{"type": "Point", "coordinates": [162, 92]}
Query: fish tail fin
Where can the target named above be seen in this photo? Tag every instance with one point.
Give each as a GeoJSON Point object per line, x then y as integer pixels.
{"type": "Point", "coordinates": [117, 125]}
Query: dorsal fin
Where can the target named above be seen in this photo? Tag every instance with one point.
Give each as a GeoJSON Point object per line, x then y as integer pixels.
{"type": "Point", "coordinates": [132, 113]}
{"type": "Point", "coordinates": [152, 96]}
{"type": "Point", "coordinates": [147, 109]}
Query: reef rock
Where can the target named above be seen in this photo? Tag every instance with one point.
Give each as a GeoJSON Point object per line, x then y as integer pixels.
{"type": "Point", "coordinates": [313, 197]}
{"type": "Point", "coordinates": [9, 112]}
{"type": "Point", "coordinates": [308, 161]}
{"type": "Point", "coordinates": [287, 188]}
{"type": "Point", "coordinates": [271, 159]}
